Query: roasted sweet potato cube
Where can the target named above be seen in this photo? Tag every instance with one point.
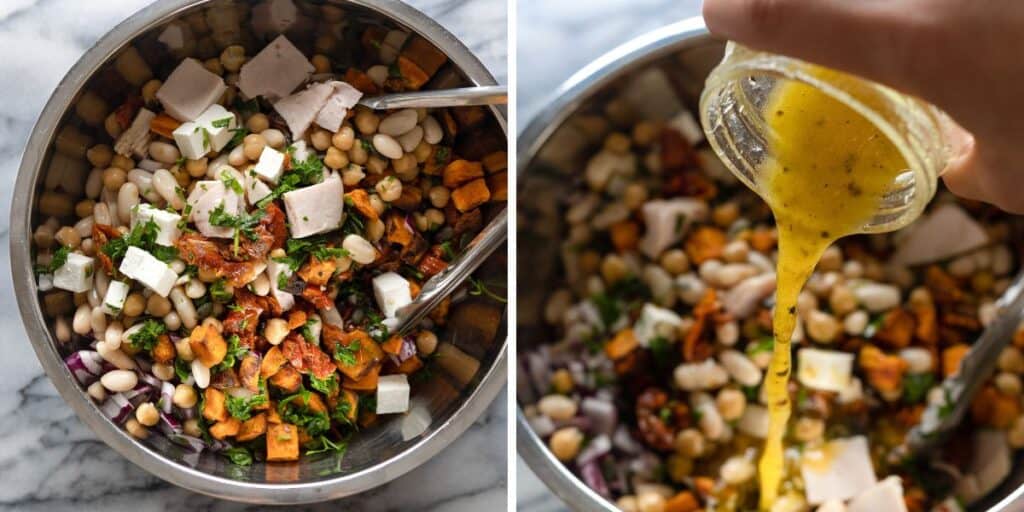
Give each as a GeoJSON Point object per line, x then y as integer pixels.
{"type": "Point", "coordinates": [462, 171]}
{"type": "Point", "coordinates": [282, 442]}
{"type": "Point", "coordinates": [471, 195]}
{"type": "Point", "coordinates": [392, 346]}
{"type": "Point", "coordinates": [884, 371]}
{"type": "Point", "coordinates": [317, 272]}
{"type": "Point", "coordinates": [252, 428]}
{"type": "Point", "coordinates": [409, 200]}
{"type": "Point", "coordinates": [164, 351]}
{"type": "Point", "coordinates": [621, 344]}
{"type": "Point", "coordinates": [273, 360]}
{"type": "Point", "coordinates": [367, 382]}
{"type": "Point", "coordinates": [625, 235]}
{"type": "Point", "coordinates": [897, 329]}
{"type": "Point", "coordinates": [368, 354]}
{"type": "Point", "coordinates": [287, 379]}
{"type": "Point", "coordinates": [349, 402]}
{"type": "Point", "coordinates": [272, 415]}
{"type": "Point", "coordinates": [682, 502]}
{"type": "Point", "coordinates": [249, 372]}
{"type": "Point", "coordinates": [360, 81]}
{"type": "Point", "coordinates": [360, 200]}
{"type": "Point", "coordinates": [495, 162]}
{"type": "Point", "coordinates": [398, 231]}
{"type": "Point", "coordinates": [213, 405]}
{"type": "Point", "coordinates": [498, 185]}
{"type": "Point", "coordinates": [296, 318]}
{"type": "Point", "coordinates": [951, 358]}
{"type": "Point", "coordinates": [411, 365]}
{"type": "Point", "coordinates": [424, 54]}
{"type": "Point", "coordinates": [993, 408]}
{"type": "Point", "coordinates": [468, 117]}
{"type": "Point", "coordinates": [226, 428]}
{"type": "Point", "coordinates": [164, 125]}
{"type": "Point", "coordinates": [414, 76]}
{"type": "Point", "coordinates": [372, 38]}
{"type": "Point", "coordinates": [705, 243]}
{"type": "Point", "coordinates": [208, 345]}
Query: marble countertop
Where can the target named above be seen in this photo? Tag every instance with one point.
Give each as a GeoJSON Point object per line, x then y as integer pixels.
{"type": "Point", "coordinates": [49, 460]}
{"type": "Point", "coordinates": [554, 40]}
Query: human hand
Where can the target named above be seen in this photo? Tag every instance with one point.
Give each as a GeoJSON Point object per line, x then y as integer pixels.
{"type": "Point", "coordinates": [967, 58]}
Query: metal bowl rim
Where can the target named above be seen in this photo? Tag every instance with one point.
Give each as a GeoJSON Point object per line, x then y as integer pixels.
{"type": "Point", "coordinates": [24, 284]}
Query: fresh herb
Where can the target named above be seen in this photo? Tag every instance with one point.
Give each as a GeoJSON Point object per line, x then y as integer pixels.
{"type": "Point", "coordinates": [394, 71]}
{"type": "Point", "coordinates": [60, 257]}
{"type": "Point", "coordinates": [241, 408]}
{"type": "Point", "coordinates": [307, 331]}
{"type": "Point", "coordinates": [297, 250]}
{"type": "Point", "coordinates": [354, 223]}
{"type": "Point", "coordinates": [375, 327]}
{"type": "Point", "coordinates": [763, 344]}
{"type": "Point", "coordinates": [947, 404]}
{"type": "Point", "coordinates": [346, 354]}
{"type": "Point", "coordinates": [661, 351]}
{"type": "Point", "coordinates": [304, 172]}
{"type": "Point", "coordinates": [680, 222]}
{"type": "Point", "coordinates": [441, 155]}
{"type": "Point", "coordinates": [751, 392]}
{"type": "Point", "coordinates": [238, 456]}
{"type": "Point", "coordinates": [697, 414]}
{"type": "Point", "coordinates": [243, 223]}
{"type": "Point", "coordinates": [608, 308]}
{"type": "Point", "coordinates": [219, 291]}
{"type": "Point", "coordinates": [247, 108]}
{"type": "Point", "coordinates": [665, 414]}
{"type": "Point", "coordinates": [411, 272]}
{"type": "Point", "coordinates": [182, 369]}
{"type": "Point", "coordinates": [479, 287]}
{"type": "Point", "coordinates": [143, 236]}
{"type": "Point", "coordinates": [343, 410]}
{"type": "Point", "coordinates": [206, 136]}
{"type": "Point", "coordinates": [299, 414]}
{"type": "Point", "coordinates": [222, 123]}
{"type": "Point", "coordinates": [874, 326]}
{"type": "Point", "coordinates": [237, 137]}
{"type": "Point", "coordinates": [916, 386]}
{"type": "Point", "coordinates": [146, 337]}
{"type": "Point", "coordinates": [368, 402]}
{"type": "Point", "coordinates": [322, 445]}
{"type": "Point", "coordinates": [447, 252]}
{"type": "Point", "coordinates": [328, 386]}
{"type": "Point", "coordinates": [231, 182]}
{"type": "Point", "coordinates": [236, 351]}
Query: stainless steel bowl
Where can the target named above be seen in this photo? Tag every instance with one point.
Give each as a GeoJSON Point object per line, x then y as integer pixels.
{"type": "Point", "coordinates": [650, 77]}
{"type": "Point", "coordinates": [441, 408]}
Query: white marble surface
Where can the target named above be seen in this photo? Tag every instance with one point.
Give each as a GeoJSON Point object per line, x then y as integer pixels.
{"type": "Point", "coordinates": [49, 460]}
{"type": "Point", "coordinates": [553, 41]}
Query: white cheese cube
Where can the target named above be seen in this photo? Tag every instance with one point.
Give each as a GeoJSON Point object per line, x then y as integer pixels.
{"type": "Point", "coordinates": [113, 301]}
{"type": "Point", "coordinates": [839, 470]}
{"type": "Point", "coordinates": [886, 496]}
{"type": "Point", "coordinates": [190, 90]}
{"type": "Point", "coordinates": [255, 189]}
{"type": "Point", "coordinates": [191, 141]}
{"type": "Point", "coordinates": [300, 152]}
{"type": "Point", "coordinates": [826, 370]}
{"type": "Point", "coordinates": [270, 165]}
{"type": "Point", "coordinates": [315, 209]}
{"type": "Point", "coordinates": [75, 275]}
{"type": "Point", "coordinates": [146, 269]}
{"type": "Point", "coordinates": [392, 293]}
{"type": "Point", "coordinates": [275, 71]}
{"type": "Point", "coordinates": [655, 322]}
{"type": "Point", "coordinates": [135, 140]}
{"type": "Point", "coordinates": [166, 222]}
{"type": "Point", "coordinates": [299, 109]}
{"type": "Point", "coordinates": [45, 282]}
{"type": "Point", "coordinates": [667, 220]}
{"type": "Point", "coordinates": [336, 108]}
{"type": "Point", "coordinates": [392, 394]}
{"type": "Point", "coordinates": [218, 123]}
{"type": "Point", "coordinates": [274, 271]}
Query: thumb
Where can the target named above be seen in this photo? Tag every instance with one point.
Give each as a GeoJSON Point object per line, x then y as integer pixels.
{"type": "Point", "coordinates": [973, 172]}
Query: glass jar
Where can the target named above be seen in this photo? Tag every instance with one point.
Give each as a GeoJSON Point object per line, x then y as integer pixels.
{"type": "Point", "coordinates": [732, 110]}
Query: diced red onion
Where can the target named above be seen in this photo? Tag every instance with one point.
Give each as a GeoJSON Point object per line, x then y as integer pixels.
{"type": "Point", "coordinates": [169, 424]}
{"type": "Point", "coordinates": [624, 441]}
{"type": "Point", "coordinates": [577, 371]}
{"type": "Point", "coordinates": [82, 366]}
{"type": "Point", "coordinates": [591, 475]}
{"type": "Point", "coordinates": [189, 413]}
{"type": "Point", "coordinates": [603, 415]}
{"type": "Point", "coordinates": [408, 349]}
{"type": "Point", "coordinates": [194, 444]}
{"type": "Point", "coordinates": [166, 397]}
{"type": "Point", "coordinates": [143, 392]}
{"type": "Point", "coordinates": [117, 408]}
{"type": "Point", "coordinates": [542, 425]}
{"type": "Point", "coordinates": [597, 447]}
{"type": "Point", "coordinates": [152, 380]}
{"type": "Point", "coordinates": [581, 422]}
{"type": "Point", "coordinates": [144, 364]}
{"type": "Point", "coordinates": [645, 465]}
{"type": "Point", "coordinates": [540, 371]}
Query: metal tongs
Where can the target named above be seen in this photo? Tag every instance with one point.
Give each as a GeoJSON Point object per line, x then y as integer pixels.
{"type": "Point", "coordinates": [448, 280]}
{"type": "Point", "coordinates": [461, 97]}
{"type": "Point", "coordinates": [939, 420]}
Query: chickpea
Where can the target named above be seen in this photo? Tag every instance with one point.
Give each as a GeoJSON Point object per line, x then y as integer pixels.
{"type": "Point", "coordinates": [435, 217]}
{"type": "Point", "coordinates": [690, 443]}
{"type": "Point", "coordinates": [634, 195]}
{"type": "Point", "coordinates": [627, 504]}
{"type": "Point", "coordinates": [650, 502]}
{"type": "Point", "coordinates": [113, 178]}
{"type": "Point", "coordinates": [275, 330]}
{"type": "Point", "coordinates": [617, 142]}
{"type": "Point", "coordinates": [68, 236]}
{"type": "Point", "coordinates": [162, 371]}
{"type": "Point", "coordinates": [352, 174]}
{"type": "Point", "coordinates": [253, 146]}
{"type": "Point", "coordinates": [84, 207]}
{"type": "Point", "coordinates": [377, 203]}
{"type": "Point", "coordinates": [613, 268]}
{"type": "Point", "coordinates": [344, 139]}
{"type": "Point", "coordinates": [232, 58]}
{"type": "Point", "coordinates": [122, 162]}
{"type": "Point", "coordinates": [213, 66]}
{"type": "Point", "coordinates": [257, 123]}
{"type": "Point", "coordinates": [335, 158]}
{"type": "Point", "coordinates": [645, 133]}
{"type": "Point", "coordinates": [406, 167]}
{"type": "Point", "coordinates": [158, 306]}
{"type": "Point", "coordinates": [426, 342]}
{"type": "Point", "coordinates": [389, 189]}
{"type": "Point", "coordinates": [321, 139]}
{"type": "Point", "coordinates": [136, 429]}
{"type": "Point", "coordinates": [100, 155]}
{"type": "Point", "coordinates": [358, 154]}
{"type": "Point", "coordinates": [376, 164]}
{"type": "Point", "coordinates": [561, 381]}
{"type": "Point", "coordinates": [675, 261]}
{"type": "Point", "coordinates": [184, 396]}
{"type": "Point", "coordinates": [366, 121]}
{"type": "Point", "coordinates": [420, 221]}
{"type": "Point", "coordinates": [565, 443]}
{"type": "Point", "coordinates": [112, 126]}
{"type": "Point", "coordinates": [730, 403]}
{"type": "Point", "coordinates": [439, 196]}
{"type": "Point", "coordinates": [423, 152]}
{"type": "Point", "coordinates": [196, 168]}
{"type": "Point", "coordinates": [321, 64]}
{"type": "Point", "coordinates": [557, 407]}
{"type": "Point", "coordinates": [149, 90]}
{"type": "Point", "coordinates": [147, 414]}
{"type": "Point", "coordinates": [134, 304]}
{"type": "Point", "coordinates": [274, 138]}
{"type": "Point", "coordinates": [725, 214]}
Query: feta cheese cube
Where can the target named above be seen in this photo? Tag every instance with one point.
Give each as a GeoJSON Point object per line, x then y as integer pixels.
{"type": "Point", "coordinates": [839, 470]}
{"type": "Point", "coordinates": [190, 90]}
{"type": "Point", "coordinates": [336, 108]}
{"type": "Point", "coordinates": [270, 165]}
{"type": "Point", "coordinates": [191, 141]}
{"type": "Point", "coordinates": [211, 131]}
{"type": "Point", "coordinates": [299, 109]}
{"type": "Point", "coordinates": [135, 140]}
{"type": "Point", "coordinates": [827, 370]}
{"type": "Point", "coordinates": [45, 283]}
{"type": "Point", "coordinates": [392, 394]}
{"type": "Point", "coordinates": [166, 222]}
{"type": "Point", "coordinates": [113, 301]}
{"type": "Point", "coordinates": [75, 275]}
{"type": "Point", "coordinates": [255, 189]}
{"type": "Point", "coordinates": [275, 71]}
{"type": "Point", "coordinates": [146, 269]}
{"type": "Point", "coordinates": [392, 293]}
{"type": "Point", "coordinates": [300, 152]}
{"type": "Point", "coordinates": [655, 322]}
{"type": "Point", "coordinates": [316, 208]}
{"type": "Point", "coordinates": [886, 495]}
{"type": "Point", "coordinates": [667, 220]}
{"type": "Point", "coordinates": [274, 271]}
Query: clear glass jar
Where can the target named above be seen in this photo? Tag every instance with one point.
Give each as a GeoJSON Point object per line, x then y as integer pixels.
{"type": "Point", "coordinates": [732, 114]}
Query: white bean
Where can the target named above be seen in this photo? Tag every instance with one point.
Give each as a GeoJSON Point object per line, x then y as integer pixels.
{"type": "Point", "coordinates": [114, 356]}
{"type": "Point", "coordinates": [164, 152]}
{"type": "Point", "coordinates": [387, 146]}
{"type": "Point", "coordinates": [261, 285]}
{"type": "Point", "coordinates": [163, 371]}
{"type": "Point", "coordinates": [178, 266]}
{"type": "Point", "coordinates": [98, 322]}
{"type": "Point", "coordinates": [119, 381]}
{"type": "Point", "coordinates": [359, 249]}
{"type": "Point", "coordinates": [94, 183]}
{"type": "Point", "coordinates": [378, 74]}
{"type": "Point", "coordinates": [410, 139]}
{"type": "Point", "coordinates": [557, 407]}
{"type": "Point", "coordinates": [127, 200]}
{"type": "Point", "coordinates": [101, 213]}
{"type": "Point", "coordinates": [195, 288]}
{"type": "Point", "coordinates": [113, 334]}
{"type": "Point", "coordinates": [398, 123]}
{"type": "Point", "coordinates": [167, 187]}
{"type": "Point", "coordinates": [97, 391]}
{"type": "Point", "coordinates": [172, 321]}
{"type": "Point", "coordinates": [740, 367]}
{"type": "Point", "coordinates": [62, 330]}
{"type": "Point", "coordinates": [84, 226]}
{"type": "Point", "coordinates": [275, 138]}
{"type": "Point", "coordinates": [237, 156]}
{"type": "Point", "coordinates": [100, 283]}
{"type": "Point", "coordinates": [81, 323]}
{"type": "Point", "coordinates": [431, 130]}
{"type": "Point", "coordinates": [919, 360]}
{"type": "Point", "coordinates": [144, 181]}
{"type": "Point", "coordinates": [201, 374]}
{"type": "Point", "coordinates": [93, 297]}
{"type": "Point", "coordinates": [183, 305]}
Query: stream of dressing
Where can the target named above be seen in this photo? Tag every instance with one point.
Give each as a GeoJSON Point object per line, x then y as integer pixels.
{"type": "Point", "coordinates": [829, 168]}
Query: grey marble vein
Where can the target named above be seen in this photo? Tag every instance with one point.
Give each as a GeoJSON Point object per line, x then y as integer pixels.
{"type": "Point", "coordinates": [49, 460]}
{"type": "Point", "coordinates": [553, 41]}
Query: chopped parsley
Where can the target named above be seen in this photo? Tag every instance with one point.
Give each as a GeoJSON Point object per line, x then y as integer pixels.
{"type": "Point", "coordinates": [60, 257]}
{"type": "Point", "coordinates": [346, 355]}
{"type": "Point", "coordinates": [328, 386]}
{"type": "Point", "coordinates": [342, 411]}
{"type": "Point", "coordinates": [322, 445]}
{"type": "Point", "coordinates": [375, 327]}
{"type": "Point", "coordinates": [219, 291]}
{"type": "Point", "coordinates": [916, 386]}
{"type": "Point", "coordinates": [236, 351]}
{"type": "Point", "coordinates": [299, 414]}
{"type": "Point", "coordinates": [231, 182]}
{"type": "Point", "coordinates": [143, 236]}
{"type": "Point", "coordinates": [237, 136]}
{"type": "Point", "coordinates": [441, 155]}
{"type": "Point", "coordinates": [241, 408]}
{"type": "Point", "coordinates": [238, 455]}
{"type": "Point", "coordinates": [764, 344]}
{"type": "Point", "coordinates": [447, 252]}
{"type": "Point", "coordinates": [146, 337]}
{"type": "Point", "coordinates": [243, 223]}
{"type": "Point", "coordinates": [353, 224]}
{"type": "Point", "coordinates": [307, 330]}
{"type": "Point", "coordinates": [304, 172]}
{"type": "Point", "coordinates": [182, 369]}
{"type": "Point", "coordinates": [206, 136]}
{"type": "Point", "coordinates": [661, 350]}
{"type": "Point", "coordinates": [479, 288]}
{"type": "Point", "coordinates": [222, 123]}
